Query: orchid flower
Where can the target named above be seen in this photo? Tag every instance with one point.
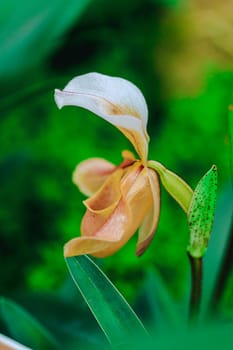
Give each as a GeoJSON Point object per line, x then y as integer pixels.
{"type": "Point", "coordinates": [126, 197]}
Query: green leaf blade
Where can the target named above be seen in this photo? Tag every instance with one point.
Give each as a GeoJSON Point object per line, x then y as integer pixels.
{"type": "Point", "coordinates": [25, 328]}
{"type": "Point", "coordinates": [218, 253]}
{"type": "Point", "coordinates": [25, 25]}
{"type": "Point", "coordinates": [115, 317]}
{"type": "Point", "coordinates": [230, 119]}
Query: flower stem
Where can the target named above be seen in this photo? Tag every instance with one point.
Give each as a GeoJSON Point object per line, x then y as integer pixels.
{"type": "Point", "coordinates": [196, 288]}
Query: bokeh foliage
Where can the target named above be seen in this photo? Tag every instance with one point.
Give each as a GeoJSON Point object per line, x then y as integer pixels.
{"type": "Point", "coordinates": [42, 46]}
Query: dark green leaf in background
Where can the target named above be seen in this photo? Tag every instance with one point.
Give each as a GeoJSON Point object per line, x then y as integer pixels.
{"type": "Point", "coordinates": [215, 256]}
{"type": "Point", "coordinates": [31, 30]}
{"type": "Point", "coordinates": [163, 312]}
{"type": "Point", "coordinates": [25, 328]}
{"type": "Point", "coordinates": [231, 138]}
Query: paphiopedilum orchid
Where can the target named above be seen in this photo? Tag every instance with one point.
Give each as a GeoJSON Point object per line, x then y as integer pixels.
{"type": "Point", "coordinates": [126, 197]}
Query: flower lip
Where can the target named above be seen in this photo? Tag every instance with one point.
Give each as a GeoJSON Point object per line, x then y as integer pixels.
{"type": "Point", "coordinates": [103, 232]}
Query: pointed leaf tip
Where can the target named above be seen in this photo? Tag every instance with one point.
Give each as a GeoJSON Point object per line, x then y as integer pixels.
{"type": "Point", "coordinates": [114, 315]}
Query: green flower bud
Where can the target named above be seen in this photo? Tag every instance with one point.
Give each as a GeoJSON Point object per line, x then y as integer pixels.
{"type": "Point", "coordinates": [201, 213]}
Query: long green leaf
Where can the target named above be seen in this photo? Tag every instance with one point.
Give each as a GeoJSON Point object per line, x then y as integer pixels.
{"type": "Point", "coordinates": [231, 138]}
{"type": "Point", "coordinates": [221, 236]}
{"type": "Point", "coordinates": [24, 327]}
{"type": "Point", "coordinates": [31, 30]}
{"type": "Point", "coordinates": [219, 242]}
{"type": "Point", "coordinates": [116, 318]}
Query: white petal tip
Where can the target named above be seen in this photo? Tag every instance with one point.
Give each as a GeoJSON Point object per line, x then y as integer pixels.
{"type": "Point", "coordinates": [58, 98]}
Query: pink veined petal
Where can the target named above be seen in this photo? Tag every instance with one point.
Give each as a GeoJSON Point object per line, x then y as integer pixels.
{"type": "Point", "coordinates": [90, 174]}
{"type": "Point", "coordinates": [149, 225]}
{"type": "Point", "coordinates": [114, 99]}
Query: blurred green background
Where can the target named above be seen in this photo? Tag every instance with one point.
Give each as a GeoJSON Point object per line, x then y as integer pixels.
{"type": "Point", "coordinates": [180, 54]}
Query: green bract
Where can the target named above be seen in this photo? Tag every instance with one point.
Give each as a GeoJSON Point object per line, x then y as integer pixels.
{"type": "Point", "coordinates": [201, 213]}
